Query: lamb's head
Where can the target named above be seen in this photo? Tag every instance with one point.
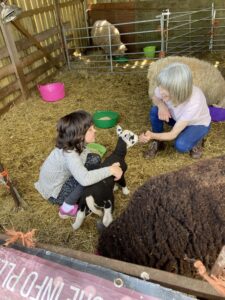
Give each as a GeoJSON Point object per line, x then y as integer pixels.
{"type": "Point", "coordinates": [121, 49]}
{"type": "Point", "coordinates": [127, 136]}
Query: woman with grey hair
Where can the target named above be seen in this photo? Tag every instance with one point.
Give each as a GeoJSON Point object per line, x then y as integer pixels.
{"type": "Point", "coordinates": [181, 105]}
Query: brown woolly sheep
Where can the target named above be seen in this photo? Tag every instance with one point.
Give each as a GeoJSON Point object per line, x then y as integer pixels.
{"type": "Point", "coordinates": [100, 37]}
{"type": "Point", "coordinates": [172, 216]}
{"type": "Point", "coordinates": [205, 76]}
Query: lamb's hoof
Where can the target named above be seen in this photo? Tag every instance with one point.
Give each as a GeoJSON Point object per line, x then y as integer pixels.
{"type": "Point", "coordinates": [99, 212]}
{"type": "Point", "coordinates": [125, 191]}
{"type": "Point", "coordinates": [100, 226]}
{"type": "Point", "coordinates": [88, 212]}
{"type": "Point", "coordinates": [115, 188]}
{"type": "Point", "coordinates": [75, 226]}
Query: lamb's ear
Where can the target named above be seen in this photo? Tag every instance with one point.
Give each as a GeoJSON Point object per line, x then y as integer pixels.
{"type": "Point", "coordinates": [119, 130]}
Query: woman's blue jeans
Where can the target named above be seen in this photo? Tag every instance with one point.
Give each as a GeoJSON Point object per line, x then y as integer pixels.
{"type": "Point", "coordinates": [187, 139]}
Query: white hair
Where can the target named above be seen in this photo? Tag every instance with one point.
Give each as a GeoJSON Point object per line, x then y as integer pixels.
{"type": "Point", "coordinates": [176, 78]}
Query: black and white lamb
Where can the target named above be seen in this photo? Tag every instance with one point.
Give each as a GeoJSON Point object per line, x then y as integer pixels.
{"type": "Point", "coordinates": [99, 197]}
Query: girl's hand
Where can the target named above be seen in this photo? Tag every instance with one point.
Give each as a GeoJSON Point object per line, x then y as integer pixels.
{"type": "Point", "coordinates": [145, 137]}
{"type": "Point", "coordinates": [163, 113]}
{"type": "Point", "coordinates": [116, 171]}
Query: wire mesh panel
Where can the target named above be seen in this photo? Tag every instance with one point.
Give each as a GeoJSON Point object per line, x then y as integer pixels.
{"type": "Point", "coordinates": [218, 27]}
{"type": "Point", "coordinates": [169, 33]}
{"type": "Point", "coordinates": [112, 48]}
{"type": "Point", "coordinates": [188, 32]}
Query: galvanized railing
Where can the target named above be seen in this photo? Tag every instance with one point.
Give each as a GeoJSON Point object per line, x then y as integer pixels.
{"type": "Point", "coordinates": [172, 33]}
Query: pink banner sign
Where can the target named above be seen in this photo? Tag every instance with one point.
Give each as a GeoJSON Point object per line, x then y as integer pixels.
{"type": "Point", "coordinates": [25, 276]}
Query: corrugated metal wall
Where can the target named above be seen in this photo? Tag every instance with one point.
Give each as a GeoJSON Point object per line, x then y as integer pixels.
{"type": "Point", "coordinates": [39, 47]}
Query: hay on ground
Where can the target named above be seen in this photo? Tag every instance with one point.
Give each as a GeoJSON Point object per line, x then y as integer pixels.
{"type": "Point", "coordinates": [28, 133]}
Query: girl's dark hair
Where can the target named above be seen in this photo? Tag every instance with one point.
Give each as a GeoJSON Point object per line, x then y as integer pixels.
{"type": "Point", "coordinates": [72, 129]}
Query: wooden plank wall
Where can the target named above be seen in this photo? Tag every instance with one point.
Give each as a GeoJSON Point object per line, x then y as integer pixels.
{"type": "Point", "coordinates": [38, 45]}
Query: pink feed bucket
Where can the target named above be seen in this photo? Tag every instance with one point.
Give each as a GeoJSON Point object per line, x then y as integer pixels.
{"type": "Point", "coordinates": [52, 92]}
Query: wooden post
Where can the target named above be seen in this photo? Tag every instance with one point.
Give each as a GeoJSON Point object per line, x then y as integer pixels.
{"type": "Point", "coordinates": [16, 197]}
{"type": "Point", "coordinates": [13, 53]}
{"type": "Point", "coordinates": [34, 41]}
{"type": "Point", "coordinates": [219, 265]}
{"type": "Point", "coordinates": [61, 31]}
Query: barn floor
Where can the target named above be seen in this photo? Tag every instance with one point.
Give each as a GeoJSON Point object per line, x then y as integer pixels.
{"type": "Point", "coordinates": [27, 136]}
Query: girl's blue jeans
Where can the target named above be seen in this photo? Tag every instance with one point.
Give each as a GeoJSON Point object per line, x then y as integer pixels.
{"type": "Point", "coordinates": [187, 139]}
{"type": "Point", "coordinates": [71, 190]}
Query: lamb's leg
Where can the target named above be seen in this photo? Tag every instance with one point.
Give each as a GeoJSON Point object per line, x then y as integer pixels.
{"type": "Point", "coordinates": [90, 203]}
{"type": "Point", "coordinates": [79, 219]}
{"type": "Point", "coordinates": [122, 183]}
{"type": "Point", "coordinates": [115, 188]}
{"type": "Point", "coordinates": [125, 190]}
{"type": "Point", "coordinates": [107, 218]}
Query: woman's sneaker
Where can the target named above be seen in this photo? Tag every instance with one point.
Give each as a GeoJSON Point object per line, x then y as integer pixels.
{"type": "Point", "coordinates": [70, 214]}
{"type": "Point", "coordinates": [154, 147]}
{"type": "Point", "coordinates": [196, 151]}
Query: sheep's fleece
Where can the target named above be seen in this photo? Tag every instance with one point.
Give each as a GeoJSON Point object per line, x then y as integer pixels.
{"type": "Point", "coordinates": [172, 216]}
{"type": "Point", "coordinates": [205, 76]}
{"type": "Point", "coordinates": [100, 38]}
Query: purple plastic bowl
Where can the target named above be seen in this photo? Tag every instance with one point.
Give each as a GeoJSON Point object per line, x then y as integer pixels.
{"type": "Point", "coordinates": [217, 113]}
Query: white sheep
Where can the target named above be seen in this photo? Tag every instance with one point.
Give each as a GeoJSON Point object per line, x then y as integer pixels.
{"type": "Point", "coordinates": [205, 76]}
{"type": "Point", "coordinates": [100, 33]}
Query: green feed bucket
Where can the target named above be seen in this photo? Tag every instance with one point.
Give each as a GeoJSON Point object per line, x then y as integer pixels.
{"type": "Point", "coordinates": [97, 148]}
{"type": "Point", "coordinates": [149, 51]}
{"type": "Point", "coordinates": [105, 118]}
{"type": "Point", "coordinates": [120, 59]}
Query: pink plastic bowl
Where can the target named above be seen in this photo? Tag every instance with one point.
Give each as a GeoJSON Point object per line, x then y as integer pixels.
{"type": "Point", "coordinates": [52, 91]}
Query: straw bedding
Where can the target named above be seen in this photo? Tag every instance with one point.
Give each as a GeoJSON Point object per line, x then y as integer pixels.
{"type": "Point", "coordinates": [28, 133]}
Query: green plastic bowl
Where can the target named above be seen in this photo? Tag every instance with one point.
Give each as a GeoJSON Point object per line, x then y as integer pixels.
{"type": "Point", "coordinates": [97, 148]}
{"type": "Point", "coordinates": [105, 118]}
{"type": "Point", "coordinates": [120, 59]}
{"type": "Point", "coordinates": [149, 51]}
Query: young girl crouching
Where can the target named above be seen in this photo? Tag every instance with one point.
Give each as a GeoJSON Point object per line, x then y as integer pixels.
{"type": "Point", "coordinates": [69, 166]}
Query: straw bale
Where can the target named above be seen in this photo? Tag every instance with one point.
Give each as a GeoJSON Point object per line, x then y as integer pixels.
{"type": "Point", "coordinates": [28, 134]}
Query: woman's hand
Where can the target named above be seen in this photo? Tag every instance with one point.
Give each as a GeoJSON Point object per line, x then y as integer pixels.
{"type": "Point", "coordinates": [116, 171]}
{"type": "Point", "coordinates": [163, 113]}
{"type": "Point", "coordinates": [145, 137]}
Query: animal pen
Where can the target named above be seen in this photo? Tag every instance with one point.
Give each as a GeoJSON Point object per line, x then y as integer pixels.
{"type": "Point", "coordinates": [48, 38]}
{"type": "Point", "coordinates": [169, 33]}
